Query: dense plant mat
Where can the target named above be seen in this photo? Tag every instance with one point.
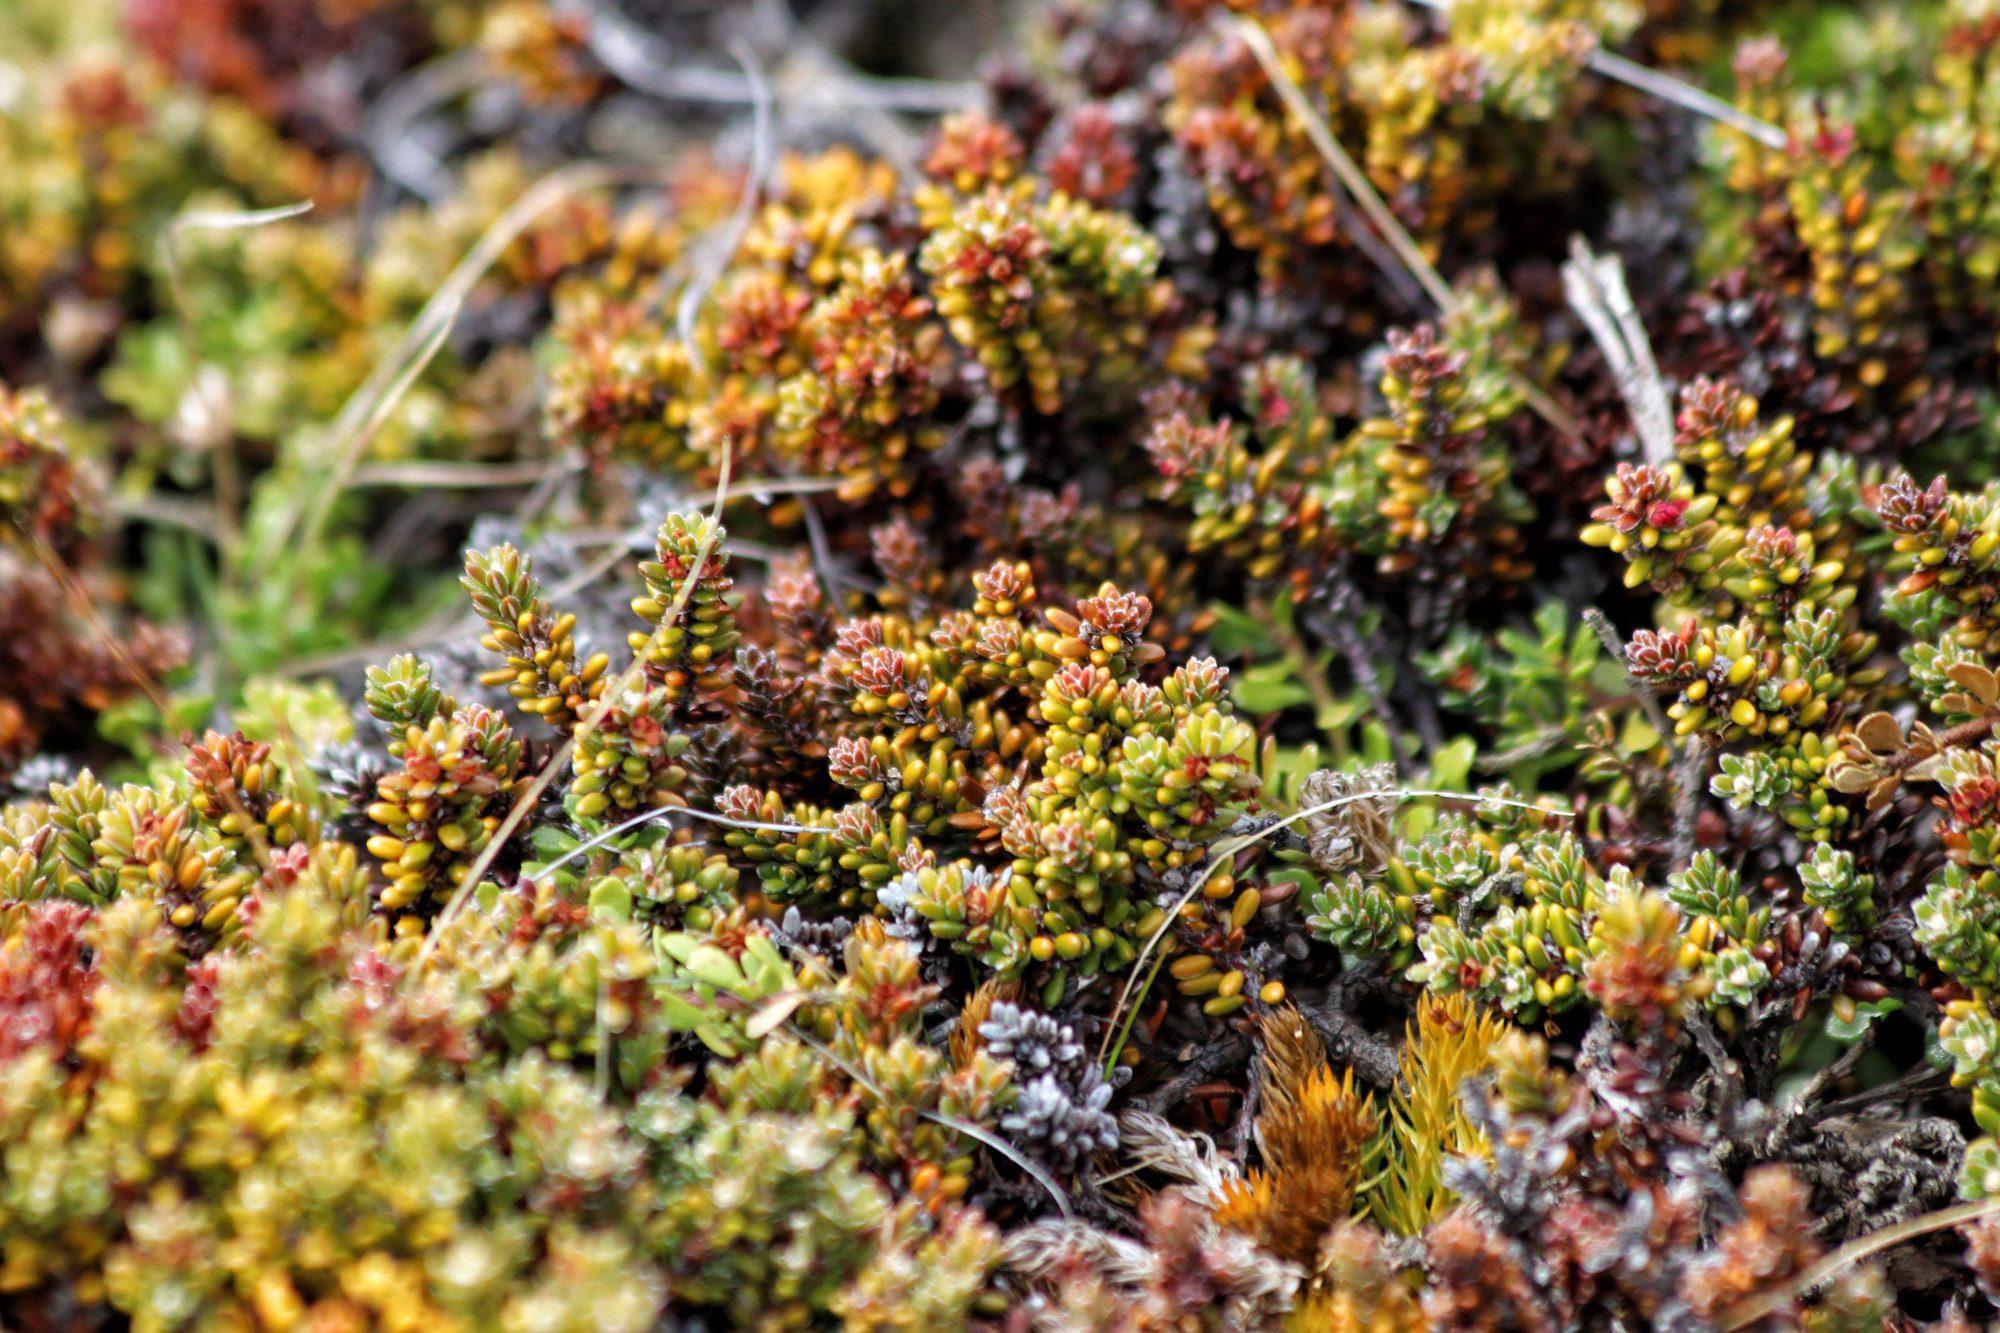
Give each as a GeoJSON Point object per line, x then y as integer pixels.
{"type": "Point", "coordinates": [1227, 667]}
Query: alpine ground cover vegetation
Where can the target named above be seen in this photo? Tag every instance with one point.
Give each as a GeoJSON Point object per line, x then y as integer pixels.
{"type": "Point", "coordinates": [1125, 665]}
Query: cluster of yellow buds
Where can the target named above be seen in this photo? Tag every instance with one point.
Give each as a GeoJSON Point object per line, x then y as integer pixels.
{"type": "Point", "coordinates": [441, 808]}
{"type": "Point", "coordinates": [539, 646]}
{"type": "Point", "coordinates": [236, 787]}
{"type": "Point", "coordinates": [151, 843]}
{"type": "Point", "coordinates": [1737, 682]}
{"type": "Point", "coordinates": [691, 653]}
{"type": "Point", "coordinates": [1858, 241]}
{"type": "Point", "coordinates": [1657, 523]}
{"type": "Point", "coordinates": [1443, 480]}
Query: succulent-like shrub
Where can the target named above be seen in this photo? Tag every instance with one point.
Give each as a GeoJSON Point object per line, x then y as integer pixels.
{"type": "Point", "coordinates": [1160, 706]}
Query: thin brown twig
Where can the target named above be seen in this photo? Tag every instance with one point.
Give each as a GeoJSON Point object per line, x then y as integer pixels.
{"type": "Point", "coordinates": [585, 726]}
{"type": "Point", "coordinates": [1693, 753]}
{"type": "Point", "coordinates": [1913, 1083]}
{"type": "Point", "coordinates": [1209, 1061]}
{"type": "Point", "coordinates": [1826, 1078]}
{"type": "Point", "coordinates": [79, 602]}
{"type": "Point", "coordinates": [1965, 733]}
{"type": "Point", "coordinates": [1348, 1042]}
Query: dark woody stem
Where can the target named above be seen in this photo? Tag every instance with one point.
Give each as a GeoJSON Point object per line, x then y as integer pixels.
{"type": "Point", "coordinates": [1952, 738]}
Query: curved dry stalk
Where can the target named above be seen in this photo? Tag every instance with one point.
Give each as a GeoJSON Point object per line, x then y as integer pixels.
{"type": "Point", "coordinates": [662, 812]}
{"type": "Point", "coordinates": [1225, 851]}
{"type": "Point", "coordinates": [758, 487]}
{"type": "Point", "coordinates": [627, 50]}
{"type": "Point", "coordinates": [1745, 1313]}
{"type": "Point", "coordinates": [710, 265]}
{"type": "Point", "coordinates": [386, 129]}
{"type": "Point", "coordinates": [173, 511]}
{"type": "Point", "coordinates": [369, 406]}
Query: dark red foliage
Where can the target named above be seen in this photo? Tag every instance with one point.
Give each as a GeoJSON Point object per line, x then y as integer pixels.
{"type": "Point", "coordinates": [46, 981]}
{"type": "Point", "coordinates": [284, 58]}
{"type": "Point", "coordinates": [51, 665]}
{"type": "Point", "coordinates": [196, 1017]}
{"type": "Point", "coordinates": [1092, 160]}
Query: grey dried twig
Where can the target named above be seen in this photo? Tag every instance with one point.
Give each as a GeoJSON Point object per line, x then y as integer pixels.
{"type": "Point", "coordinates": [1607, 634]}
{"type": "Point", "coordinates": [1595, 286]}
{"type": "Point", "coordinates": [389, 128]}
{"type": "Point", "coordinates": [634, 56]}
{"type": "Point", "coordinates": [1670, 89]}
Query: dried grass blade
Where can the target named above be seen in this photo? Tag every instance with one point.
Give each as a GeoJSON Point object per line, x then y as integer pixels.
{"type": "Point", "coordinates": [370, 404]}
{"type": "Point", "coordinates": [1225, 851]}
{"type": "Point", "coordinates": [1363, 193]}
{"type": "Point", "coordinates": [422, 474]}
{"type": "Point", "coordinates": [1748, 1312]}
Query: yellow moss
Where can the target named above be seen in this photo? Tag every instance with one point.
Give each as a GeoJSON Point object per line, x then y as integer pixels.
{"type": "Point", "coordinates": [1451, 1042]}
{"type": "Point", "coordinates": [1313, 1132]}
{"type": "Point", "coordinates": [965, 1039]}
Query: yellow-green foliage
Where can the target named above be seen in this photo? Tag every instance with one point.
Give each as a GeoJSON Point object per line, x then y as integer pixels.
{"type": "Point", "coordinates": [1451, 1041]}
